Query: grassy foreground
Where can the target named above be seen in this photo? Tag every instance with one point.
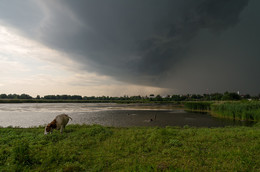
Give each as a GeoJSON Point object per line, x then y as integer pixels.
{"type": "Point", "coordinates": [98, 148]}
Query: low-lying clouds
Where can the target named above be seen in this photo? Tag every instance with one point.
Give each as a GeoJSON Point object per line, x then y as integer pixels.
{"type": "Point", "coordinates": [189, 46]}
{"type": "Point", "coordinates": [29, 67]}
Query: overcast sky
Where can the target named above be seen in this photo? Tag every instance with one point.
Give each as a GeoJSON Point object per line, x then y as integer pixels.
{"type": "Point", "coordinates": [132, 47]}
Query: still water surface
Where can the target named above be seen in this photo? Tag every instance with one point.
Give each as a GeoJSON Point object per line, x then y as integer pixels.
{"type": "Point", "coordinates": [107, 114]}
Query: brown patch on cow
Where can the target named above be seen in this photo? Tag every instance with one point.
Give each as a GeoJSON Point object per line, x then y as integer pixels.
{"type": "Point", "coordinates": [48, 128]}
{"type": "Point", "coordinates": [51, 125]}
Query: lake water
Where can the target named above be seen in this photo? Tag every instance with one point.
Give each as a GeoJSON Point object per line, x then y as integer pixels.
{"type": "Point", "coordinates": [107, 114]}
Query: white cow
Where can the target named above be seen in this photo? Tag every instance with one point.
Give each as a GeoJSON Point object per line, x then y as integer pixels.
{"type": "Point", "coordinates": [58, 123]}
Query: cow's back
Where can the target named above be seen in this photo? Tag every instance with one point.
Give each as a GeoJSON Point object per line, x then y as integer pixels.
{"type": "Point", "coordinates": [62, 120]}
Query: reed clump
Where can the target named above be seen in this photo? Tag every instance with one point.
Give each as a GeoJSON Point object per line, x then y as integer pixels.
{"type": "Point", "coordinates": [198, 106]}
{"type": "Point", "coordinates": [249, 110]}
{"type": "Point", "coordinates": [237, 110]}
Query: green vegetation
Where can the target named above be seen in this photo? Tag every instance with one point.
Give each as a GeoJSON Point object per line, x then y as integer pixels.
{"type": "Point", "coordinates": [98, 148]}
{"type": "Point", "coordinates": [237, 110]}
{"type": "Point", "coordinates": [25, 98]}
{"type": "Point", "coordinates": [198, 106]}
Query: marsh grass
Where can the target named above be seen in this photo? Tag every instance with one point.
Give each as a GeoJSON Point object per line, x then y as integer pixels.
{"type": "Point", "coordinates": [98, 148]}
{"type": "Point", "coordinates": [237, 110]}
{"type": "Point", "coordinates": [198, 106]}
{"type": "Point", "coordinates": [246, 110]}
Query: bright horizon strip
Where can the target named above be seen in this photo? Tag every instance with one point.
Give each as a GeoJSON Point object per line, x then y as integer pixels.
{"type": "Point", "coordinates": [29, 67]}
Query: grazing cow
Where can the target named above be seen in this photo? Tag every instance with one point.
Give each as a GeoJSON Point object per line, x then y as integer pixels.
{"type": "Point", "coordinates": [58, 123]}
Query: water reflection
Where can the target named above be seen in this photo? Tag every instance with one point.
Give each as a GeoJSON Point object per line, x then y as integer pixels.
{"type": "Point", "coordinates": [108, 114]}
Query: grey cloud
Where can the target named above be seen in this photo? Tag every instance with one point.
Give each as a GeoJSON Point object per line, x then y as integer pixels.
{"type": "Point", "coordinates": [21, 14]}
{"type": "Point", "coordinates": [169, 46]}
{"type": "Point", "coordinates": [142, 42]}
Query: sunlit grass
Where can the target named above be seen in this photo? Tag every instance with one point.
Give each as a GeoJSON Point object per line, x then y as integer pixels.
{"type": "Point", "coordinates": [98, 148]}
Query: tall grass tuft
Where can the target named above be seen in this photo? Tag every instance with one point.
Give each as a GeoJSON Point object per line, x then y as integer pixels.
{"type": "Point", "coordinates": [21, 153]}
{"type": "Point", "coordinates": [249, 111]}
{"type": "Point", "coordinates": [21, 156]}
{"type": "Point", "coordinates": [198, 106]}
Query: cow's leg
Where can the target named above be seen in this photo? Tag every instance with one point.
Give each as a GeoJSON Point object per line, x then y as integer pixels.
{"type": "Point", "coordinates": [61, 129]}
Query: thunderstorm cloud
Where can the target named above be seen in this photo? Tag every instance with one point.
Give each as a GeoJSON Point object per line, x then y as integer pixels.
{"type": "Point", "coordinates": [190, 46]}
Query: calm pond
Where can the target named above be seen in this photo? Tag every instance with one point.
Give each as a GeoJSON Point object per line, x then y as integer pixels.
{"type": "Point", "coordinates": [107, 114]}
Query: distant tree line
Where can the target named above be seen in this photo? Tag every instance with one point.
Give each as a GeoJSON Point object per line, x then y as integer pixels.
{"type": "Point", "coordinates": [15, 96]}
{"type": "Point", "coordinates": [152, 97]}
{"type": "Point", "coordinates": [63, 97]}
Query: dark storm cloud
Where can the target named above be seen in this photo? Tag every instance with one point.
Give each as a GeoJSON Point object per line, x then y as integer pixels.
{"type": "Point", "coordinates": [171, 45]}
{"type": "Point", "coordinates": [142, 42]}
{"type": "Point", "coordinates": [141, 39]}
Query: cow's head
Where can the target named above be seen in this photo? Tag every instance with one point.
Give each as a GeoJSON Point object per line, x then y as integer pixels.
{"type": "Point", "coordinates": [50, 127]}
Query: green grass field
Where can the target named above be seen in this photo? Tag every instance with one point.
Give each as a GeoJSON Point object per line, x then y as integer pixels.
{"type": "Point", "coordinates": [98, 148]}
